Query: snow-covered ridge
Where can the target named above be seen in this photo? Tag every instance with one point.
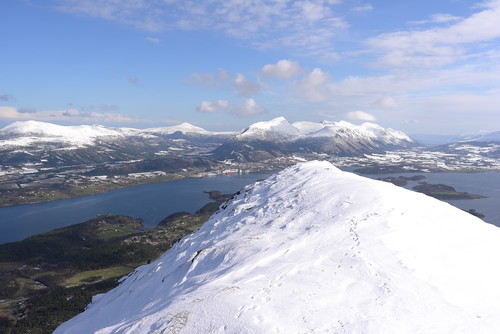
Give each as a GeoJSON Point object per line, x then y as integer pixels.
{"type": "Point", "coordinates": [25, 133]}
{"type": "Point", "coordinates": [280, 129]}
{"type": "Point", "coordinates": [276, 129]}
{"type": "Point", "coordinates": [185, 128]}
{"type": "Point", "coordinates": [315, 249]}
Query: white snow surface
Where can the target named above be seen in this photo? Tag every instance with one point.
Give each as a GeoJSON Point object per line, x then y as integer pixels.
{"type": "Point", "coordinates": [366, 130]}
{"type": "Point", "coordinates": [278, 128]}
{"type": "Point", "coordinates": [184, 128]}
{"type": "Point", "coordinates": [306, 127]}
{"type": "Point", "coordinates": [25, 133]}
{"type": "Point", "coordinates": [315, 250]}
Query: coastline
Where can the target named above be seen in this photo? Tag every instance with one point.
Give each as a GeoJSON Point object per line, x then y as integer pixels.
{"type": "Point", "coordinates": [26, 196]}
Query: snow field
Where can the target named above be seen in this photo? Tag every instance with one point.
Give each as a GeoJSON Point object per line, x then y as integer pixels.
{"type": "Point", "coordinates": [315, 250]}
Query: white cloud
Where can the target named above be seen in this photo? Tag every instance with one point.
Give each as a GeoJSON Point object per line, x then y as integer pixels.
{"type": "Point", "coordinates": [312, 11]}
{"type": "Point", "coordinates": [443, 18]}
{"type": "Point", "coordinates": [240, 85]}
{"type": "Point", "coordinates": [246, 109]}
{"type": "Point", "coordinates": [438, 18]}
{"type": "Point", "coordinates": [363, 8]}
{"type": "Point", "coordinates": [244, 87]}
{"type": "Point", "coordinates": [69, 115]}
{"type": "Point", "coordinates": [153, 40]}
{"type": "Point", "coordinates": [315, 86]}
{"type": "Point", "coordinates": [386, 102]}
{"type": "Point", "coordinates": [142, 14]}
{"type": "Point", "coordinates": [308, 24]}
{"type": "Point", "coordinates": [360, 116]}
{"type": "Point", "coordinates": [283, 69]}
{"type": "Point", "coordinates": [210, 107]}
{"type": "Point", "coordinates": [72, 112]}
{"type": "Point", "coordinates": [439, 46]}
{"type": "Point", "coordinates": [218, 80]}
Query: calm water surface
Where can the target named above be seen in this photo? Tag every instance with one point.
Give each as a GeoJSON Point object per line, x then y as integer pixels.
{"type": "Point", "coordinates": [152, 202]}
{"type": "Point", "coordinates": [486, 184]}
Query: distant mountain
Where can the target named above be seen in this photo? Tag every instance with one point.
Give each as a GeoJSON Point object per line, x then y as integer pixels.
{"type": "Point", "coordinates": [435, 140]}
{"type": "Point", "coordinates": [278, 138]}
{"type": "Point", "coordinates": [487, 146]}
{"type": "Point", "coordinates": [56, 145]}
{"type": "Point", "coordinates": [34, 132]}
{"type": "Point", "coordinates": [189, 132]}
{"type": "Point", "coordinates": [278, 129]}
{"type": "Point", "coordinates": [489, 137]}
{"type": "Point", "coordinates": [315, 249]}
{"type": "Point", "coordinates": [22, 134]}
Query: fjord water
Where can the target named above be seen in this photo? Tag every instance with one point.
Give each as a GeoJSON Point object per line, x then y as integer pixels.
{"type": "Point", "coordinates": [484, 183]}
{"type": "Point", "coordinates": [151, 202]}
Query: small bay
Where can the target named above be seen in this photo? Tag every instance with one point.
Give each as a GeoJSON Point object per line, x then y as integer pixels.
{"type": "Point", "coordinates": [151, 202]}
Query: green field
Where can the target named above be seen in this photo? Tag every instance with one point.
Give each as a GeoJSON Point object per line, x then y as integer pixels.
{"type": "Point", "coordinates": [48, 278]}
{"type": "Point", "coordinates": [93, 276]}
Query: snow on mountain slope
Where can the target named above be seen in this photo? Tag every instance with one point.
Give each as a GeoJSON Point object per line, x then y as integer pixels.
{"type": "Point", "coordinates": [280, 129]}
{"type": "Point", "coordinates": [489, 137]}
{"type": "Point", "coordinates": [28, 133]}
{"type": "Point", "coordinates": [306, 127]}
{"type": "Point", "coordinates": [25, 133]}
{"type": "Point", "coordinates": [315, 249]}
{"type": "Point", "coordinates": [387, 135]}
{"type": "Point", "coordinates": [187, 130]}
{"type": "Point", "coordinates": [345, 129]}
{"type": "Point", "coordinates": [184, 127]}
{"type": "Point", "coordinates": [276, 129]}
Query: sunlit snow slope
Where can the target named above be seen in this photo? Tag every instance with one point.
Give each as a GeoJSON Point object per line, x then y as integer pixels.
{"type": "Point", "coordinates": [315, 249]}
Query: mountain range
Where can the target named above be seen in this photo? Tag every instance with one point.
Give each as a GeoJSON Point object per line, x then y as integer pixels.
{"type": "Point", "coordinates": [278, 137]}
{"type": "Point", "coordinates": [315, 249]}
{"type": "Point", "coordinates": [487, 145]}
{"type": "Point", "coordinates": [55, 145]}
{"type": "Point", "coordinates": [34, 145]}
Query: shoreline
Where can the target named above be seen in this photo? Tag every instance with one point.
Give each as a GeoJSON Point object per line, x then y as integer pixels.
{"type": "Point", "coordinates": [75, 191]}
{"type": "Point", "coordinates": [43, 194]}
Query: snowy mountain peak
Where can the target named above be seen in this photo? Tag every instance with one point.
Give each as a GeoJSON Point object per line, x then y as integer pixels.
{"type": "Point", "coordinates": [30, 128]}
{"type": "Point", "coordinates": [349, 131]}
{"type": "Point", "coordinates": [315, 249]}
{"type": "Point", "coordinates": [183, 127]}
{"type": "Point", "coordinates": [276, 129]}
{"type": "Point", "coordinates": [26, 132]}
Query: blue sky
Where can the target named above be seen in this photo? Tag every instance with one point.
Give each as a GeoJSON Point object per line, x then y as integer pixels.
{"type": "Point", "coordinates": [427, 67]}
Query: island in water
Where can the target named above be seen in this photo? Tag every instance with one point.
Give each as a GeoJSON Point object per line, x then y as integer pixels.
{"type": "Point", "coordinates": [444, 192]}
{"type": "Point", "coordinates": [439, 191]}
